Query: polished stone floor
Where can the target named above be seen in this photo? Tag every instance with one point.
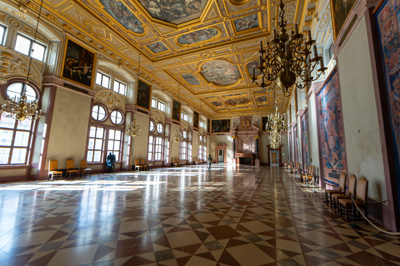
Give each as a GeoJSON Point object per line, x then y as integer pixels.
{"type": "Point", "coordinates": [181, 216]}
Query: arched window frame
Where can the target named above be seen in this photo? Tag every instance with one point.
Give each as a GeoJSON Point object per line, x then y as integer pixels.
{"type": "Point", "coordinates": [156, 144]}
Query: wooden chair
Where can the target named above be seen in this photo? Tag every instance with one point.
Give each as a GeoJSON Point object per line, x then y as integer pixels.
{"type": "Point", "coordinates": [138, 166]}
{"type": "Point", "coordinates": [308, 177]}
{"type": "Point", "coordinates": [84, 168]}
{"type": "Point", "coordinates": [53, 170]}
{"type": "Point", "coordinates": [352, 189]}
{"type": "Point", "coordinates": [144, 164]}
{"type": "Point", "coordinates": [341, 189]}
{"type": "Point", "coordinates": [70, 168]}
{"type": "Point", "coordinates": [360, 199]}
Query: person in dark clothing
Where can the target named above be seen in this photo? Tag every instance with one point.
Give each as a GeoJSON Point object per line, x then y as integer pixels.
{"type": "Point", "coordinates": [209, 159]}
{"type": "Point", "coordinates": [111, 162]}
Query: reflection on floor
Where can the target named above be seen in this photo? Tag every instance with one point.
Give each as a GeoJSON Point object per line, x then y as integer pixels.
{"type": "Point", "coordinates": [181, 216]}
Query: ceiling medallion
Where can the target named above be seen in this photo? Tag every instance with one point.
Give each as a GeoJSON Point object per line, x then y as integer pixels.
{"type": "Point", "coordinates": [287, 58]}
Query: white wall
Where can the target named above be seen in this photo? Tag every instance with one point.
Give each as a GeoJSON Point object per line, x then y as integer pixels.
{"type": "Point", "coordinates": [363, 145]}
{"type": "Point", "coordinates": [313, 132]}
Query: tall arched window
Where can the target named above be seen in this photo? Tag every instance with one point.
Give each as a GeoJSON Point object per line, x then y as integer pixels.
{"type": "Point", "coordinates": [156, 142]}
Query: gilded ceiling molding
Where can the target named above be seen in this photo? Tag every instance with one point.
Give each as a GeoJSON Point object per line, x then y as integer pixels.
{"type": "Point", "coordinates": [238, 2]}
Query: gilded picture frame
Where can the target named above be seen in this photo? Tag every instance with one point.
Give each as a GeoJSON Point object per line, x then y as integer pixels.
{"type": "Point", "coordinates": [78, 64]}
{"type": "Point", "coordinates": [143, 95]}
{"type": "Point", "coordinates": [176, 110]}
{"type": "Point", "coordinates": [195, 119]}
{"type": "Point", "coordinates": [340, 10]}
{"type": "Point", "coordinates": [221, 126]}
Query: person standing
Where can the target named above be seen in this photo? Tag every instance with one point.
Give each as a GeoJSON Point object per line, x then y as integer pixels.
{"type": "Point", "coordinates": [209, 159]}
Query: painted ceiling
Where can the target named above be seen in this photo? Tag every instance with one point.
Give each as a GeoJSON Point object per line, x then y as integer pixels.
{"type": "Point", "coordinates": [203, 49]}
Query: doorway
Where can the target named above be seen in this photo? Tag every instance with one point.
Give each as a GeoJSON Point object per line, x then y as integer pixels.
{"type": "Point", "coordinates": [274, 155]}
{"type": "Point", "coordinates": [221, 156]}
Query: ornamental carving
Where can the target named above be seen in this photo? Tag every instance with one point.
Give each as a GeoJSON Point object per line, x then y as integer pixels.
{"type": "Point", "coordinates": [157, 116]}
{"type": "Point", "coordinates": [11, 64]}
{"type": "Point", "coordinates": [110, 99]}
{"type": "Point", "coordinates": [245, 122]}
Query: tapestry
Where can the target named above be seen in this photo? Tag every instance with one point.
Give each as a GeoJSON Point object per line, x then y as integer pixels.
{"type": "Point", "coordinates": [295, 142]}
{"type": "Point", "coordinates": [331, 130]}
{"type": "Point", "coordinates": [304, 139]}
{"type": "Point", "coordinates": [388, 21]}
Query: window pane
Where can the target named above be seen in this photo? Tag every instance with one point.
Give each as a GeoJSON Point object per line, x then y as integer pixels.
{"type": "Point", "coordinates": [18, 155]}
{"type": "Point", "coordinates": [6, 122]}
{"type": "Point", "coordinates": [22, 45]}
{"type": "Point", "coordinates": [102, 113]}
{"type": "Point", "coordinates": [5, 137]}
{"type": "Point", "coordinates": [14, 90]}
{"type": "Point", "coordinates": [153, 103]}
{"type": "Point", "coordinates": [92, 133]}
{"type": "Point", "coordinates": [122, 88]}
{"type": "Point", "coordinates": [2, 33]}
{"type": "Point", "coordinates": [4, 154]}
{"type": "Point", "coordinates": [116, 145]}
{"type": "Point", "coordinates": [91, 144]}
{"type": "Point", "coordinates": [105, 82]}
{"type": "Point", "coordinates": [151, 126]}
{"type": "Point", "coordinates": [110, 145]}
{"type": "Point", "coordinates": [21, 139]}
{"type": "Point", "coordinates": [116, 155]}
{"type": "Point", "coordinates": [118, 135]}
{"type": "Point", "coordinates": [89, 156]}
{"type": "Point", "coordinates": [116, 117]}
{"type": "Point", "coordinates": [97, 156]}
{"type": "Point", "coordinates": [38, 51]}
{"type": "Point", "coordinates": [149, 156]}
{"type": "Point", "coordinates": [98, 144]}
{"type": "Point", "coordinates": [100, 132]}
{"type": "Point", "coordinates": [98, 78]}
{"type": "Point", "coordinates": [24, 125]}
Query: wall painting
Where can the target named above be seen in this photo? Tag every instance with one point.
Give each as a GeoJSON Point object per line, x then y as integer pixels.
{"type": "Point", "coordinates": [305, 140]}
{"type": "Point", "coordinates": [388, 21]}
{"type": "Point", "coordinates": [195, 119]}
{"type": "Point", "coordinates": [295, 143]}
{"type": "Point", "coordinates": [331, 130]}
{"type": "Point", "coordinates": [78, 64]}
{"type": "Point", "coordinates": [221, 126]}
{"type": "Point", "coordinates": [340, 11]}
{"type": "Point", "coordinates": [176, 110]}
{"type": "Point", "coordinates": [143, 95]}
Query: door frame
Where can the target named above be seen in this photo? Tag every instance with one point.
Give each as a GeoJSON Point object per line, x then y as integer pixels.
{"type": "Point", "coordinates": [220, 147]}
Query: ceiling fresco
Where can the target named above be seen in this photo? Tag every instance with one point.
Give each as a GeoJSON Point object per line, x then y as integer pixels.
{"type": "Point", "coordinates": [206, 50]}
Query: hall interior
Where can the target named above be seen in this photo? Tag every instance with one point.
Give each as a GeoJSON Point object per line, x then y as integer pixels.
{"type": "Point", "coordinates": [163, 84]}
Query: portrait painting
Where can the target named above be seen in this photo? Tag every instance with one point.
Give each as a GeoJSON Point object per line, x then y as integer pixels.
{"type": "Point", "coordinates": [174, 11]}
{"type": "Point", "coordinates": [331, 129]}
{"type": "Point", "coordinates": [221, 126]}
{"type": "Point", "coordinates": [143, 95]}
{"type": "Point", "coordinates": [304, 139]}
{"type": "Point", "coordinates": [340, 10]}
{"type": "Point", "coordinates": [195, 119]}
{"type": "Point", "coordinates": [198, 36]}
{"type": "Point", "coordinates": [220, 72]}
{"type": "Point", "coordinates": [388, 21]}
{"type": "Point", "coordinates": [176, 110]}
{"type": "Point", "coordinates": [157, 47]}
{"type": "Point", "coordinates": [246, 23]}
{"type": "Point", "coordinates": [78, 64]}
{"type": "Point", "coordinates": [192, 80]}
{"type": "Point", "coordinates": [123, 15]}
{"type": "Point", "coordinates": [253, 67]}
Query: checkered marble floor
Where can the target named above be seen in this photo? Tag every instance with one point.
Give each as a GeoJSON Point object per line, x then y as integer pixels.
{"type": "Point", "coordinates": [181, 216]}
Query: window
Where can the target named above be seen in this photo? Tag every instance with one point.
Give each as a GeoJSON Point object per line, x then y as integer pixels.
{"type": "Point", "coordinates": [185, 117]}
{"type": "Point", "coordinates": [161, 106]}
{"type": "Point", "coordinates": [2, 34]}
{"type": "Point", "coordinates": [158, 149]}
{"type": "Point", "coordinates": [114, 142]}
{"type": "Point", "coordinates": [166, 151]}
{"type": "Point", "coordinates": [103, 80]}
{"type": "Point", "coordinates": [95, 145]}
{"type": "Point", "coordinates": [201, 153]}
{"type": "Point", "coordinates": [15, 89]}
{"type": "Point", "coordinates": [160, 128]}
{"type": "Point", "coordinates": [98, 113]}
{"type": "Point", "coordinates": [27, 47]}
{"type": "Point", "coordinates": [119, 87]}
{"type": "Point", "coordinates": [42, 146]}
{"type": "Point", "coordinates": [150, 151]}
{"type": "Point", "coordinates": [183, 150]}
{"type": "Point", "coordinates": [152, 126]}
{"type": "Point", "coordinates": [116, 117]}
{"type": "Point", "coordinates": [157, 104]}
{"type": "Point", "coordinates": [190, 152]}
{"type": "Point", "coordinates": [202, 124]}
{"type": "Point", "coordinates": [154, 102]}
{"type": "Point", "coordinates": [184, 134]}
{"type": "Point", "coordinates": [15, 138]}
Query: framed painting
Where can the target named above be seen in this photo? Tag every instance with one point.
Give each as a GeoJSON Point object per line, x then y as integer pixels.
{"type": "Point", "coordinates": [340, 10]}
{"type": "Point", "coordinates": [208, 125]}
{"type": "Point", "coordinates": [78, 64]}
{"type": "Point", "coordinates": [196, 119]}
{"type": "Point", "coordinates": [264, 123]}
{"type": "Point", "coordinates": [221, 126]}
{"type": "Point", "coordinates": [246, 24]}
{"type": "Point", "coordinates": [143, 95]}
{"type": "Point", "coordinates": [176, 110]}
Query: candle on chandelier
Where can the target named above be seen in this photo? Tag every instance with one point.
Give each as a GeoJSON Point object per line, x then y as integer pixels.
{"type": "Point", "coordinates": [315, 51]}
{"type": "Point", "coordinates": [296, 26]}
{"type": "Point", "coordinates": [309, 35]}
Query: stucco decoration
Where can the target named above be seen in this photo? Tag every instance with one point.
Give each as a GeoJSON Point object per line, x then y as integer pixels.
{"type": "Point", "coordinates": [245, 122]}
{"type": "Point", "coordinates": [157, 115]}
{"type": "Point", "coordinates": [110, 99]}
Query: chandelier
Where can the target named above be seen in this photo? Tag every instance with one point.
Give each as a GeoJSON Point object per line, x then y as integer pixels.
{"type": "Point", "coordinates": [275, 124]}
{"type": "Point", "coordinates": [287, 58]}
{"type": "Point", "coordinates": [133, 129]}
{"type": "Point", "coordinates": [18, 107]}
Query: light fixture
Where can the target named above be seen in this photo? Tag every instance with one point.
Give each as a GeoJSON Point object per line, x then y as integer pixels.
{"type": "Point", "coordinates": [134, 128]}
{"type": "Point", "coordinates": [287, 58]}
{"type": "Point", "coordinates": [276, 123]}
{"type": "Point", "coordinates": [19, 108]}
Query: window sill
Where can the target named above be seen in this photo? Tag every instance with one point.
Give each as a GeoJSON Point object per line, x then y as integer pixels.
{"type": "Point", "coordinates": [14, 166]}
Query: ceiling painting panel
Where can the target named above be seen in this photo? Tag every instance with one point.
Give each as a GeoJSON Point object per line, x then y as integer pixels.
{"type": "Point", "coordinates": [157, 47]}
{"type": "Point", "coordinates": [220, 72]}
{"type": "Point", "coordinates": [198, 36]}
{"type": "Point", "coordinates": [247, 23]}
{"type": "Point", "coordinates": [192, 80]}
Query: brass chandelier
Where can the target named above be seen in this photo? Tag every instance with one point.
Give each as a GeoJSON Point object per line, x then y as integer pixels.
{"type": "Point", "coordinates": [275, 125]}
{"type": "Point", "coordinates": [287, 58]}
{"type": "Point", "coordinates": [19, 108]}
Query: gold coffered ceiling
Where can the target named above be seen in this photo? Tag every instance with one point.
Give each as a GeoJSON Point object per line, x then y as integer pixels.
{"type": "Point", "coordinates": [208, 47]}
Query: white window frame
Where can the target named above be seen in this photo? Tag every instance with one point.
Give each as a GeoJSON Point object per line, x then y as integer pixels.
{"type": "Point", "coordinates": [100, 82]}
{"type": "Point", "coordinates": [3, 37]}
{"type": "Point", "coordinates": [31, 44]}
{"type": "Point", "coordinates": [117, 87]}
